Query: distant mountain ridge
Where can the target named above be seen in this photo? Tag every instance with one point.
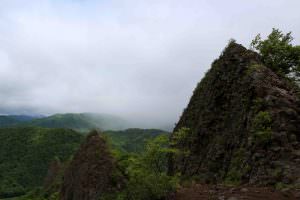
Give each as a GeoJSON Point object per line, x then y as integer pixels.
{"type": "Point", "coordinates": [82, 122]}
{"type": "Point", "coordinates": [10, 120]}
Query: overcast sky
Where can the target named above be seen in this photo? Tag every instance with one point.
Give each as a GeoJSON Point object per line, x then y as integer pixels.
{"type": "Point", "coordinates": [133, 58]}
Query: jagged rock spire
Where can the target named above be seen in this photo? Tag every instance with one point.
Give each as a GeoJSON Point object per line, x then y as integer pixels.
{"type": "Point", "coordinates": [244, 121]}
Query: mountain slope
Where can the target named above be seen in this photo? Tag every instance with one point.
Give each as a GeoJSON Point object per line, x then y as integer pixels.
{"type": "Point", "coordinates": [243, 124]}
{"type": "Point", "coordinates": [25, 154]}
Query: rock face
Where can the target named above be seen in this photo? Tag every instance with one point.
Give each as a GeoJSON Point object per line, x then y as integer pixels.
{"type": "Point", "coordinates": [244, 124]}
{"type": "Point", "coordinates": [90, 173]}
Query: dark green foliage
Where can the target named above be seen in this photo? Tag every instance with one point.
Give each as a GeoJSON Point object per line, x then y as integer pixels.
{"type": "Point", "coordinates": [25, 154]}
{"type": "Point", "coordinates": [132, 140]}
{"type": "Point", "coordinates": [278, 52]}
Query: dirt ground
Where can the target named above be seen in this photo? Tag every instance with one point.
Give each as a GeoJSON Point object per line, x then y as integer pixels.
{"type": "Point", "coordinates": [207, 192]}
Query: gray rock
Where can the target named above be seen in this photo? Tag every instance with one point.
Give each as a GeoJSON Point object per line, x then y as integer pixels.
{"type": "Point", "coordinates": [296, 153]}
{"type": "Point", "coordinates": [232, 198]}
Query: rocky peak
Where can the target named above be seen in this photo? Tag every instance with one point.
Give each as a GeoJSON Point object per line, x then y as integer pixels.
{"type": "Point", "coordinates": [243, 122]}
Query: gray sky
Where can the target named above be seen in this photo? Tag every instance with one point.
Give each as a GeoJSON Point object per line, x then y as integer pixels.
{"type": "Point", "coordinates": [133, 58]}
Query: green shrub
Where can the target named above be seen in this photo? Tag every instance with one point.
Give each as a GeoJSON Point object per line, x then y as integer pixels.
{"type": "Point", "coordinates": [146, 185]}
{"type": "Point", "coordinates": [238, 167]}
{"type": "Point", "coordinates": [181, 141]}
{"type": "Point", "coordinates": [146, 173]}
{"type": "Point", "coordinates": [262, 128]}
{"type": "Point", "coordinates": [253, 68]}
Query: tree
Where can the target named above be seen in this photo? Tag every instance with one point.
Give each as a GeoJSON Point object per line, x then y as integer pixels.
{"type": "Point", "coordinates": [146, 173]}
{"type": "Point", "coordinates": [278, 53]}
{"type": "Point", "coordinates": [156, 154]}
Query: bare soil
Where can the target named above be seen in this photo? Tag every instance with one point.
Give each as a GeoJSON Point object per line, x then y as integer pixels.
{"type": "Point", "coordinates": [217, 192]}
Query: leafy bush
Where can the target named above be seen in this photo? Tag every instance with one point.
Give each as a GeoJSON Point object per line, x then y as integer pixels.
{"type": "Point", "coordinates": [262, 127]}
{"type": "Point", "coordinates": [278, 53]}
{"type": "Point", "coordinates": [182, 140]}
{"type": "Point", "coordinates": [182, 143]}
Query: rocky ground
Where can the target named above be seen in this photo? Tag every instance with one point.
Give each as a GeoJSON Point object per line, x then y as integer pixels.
{"type": "Point", "coordinates": [207, 192]}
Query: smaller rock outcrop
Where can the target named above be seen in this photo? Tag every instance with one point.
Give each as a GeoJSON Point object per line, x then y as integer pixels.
{"type": "Point", "coordinates": [89, 175]}
{"type": "Point", "coordinates": [53, 177]}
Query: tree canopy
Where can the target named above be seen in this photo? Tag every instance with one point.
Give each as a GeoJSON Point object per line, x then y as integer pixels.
{"type": "Point", "coordinates": [279, 53]}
